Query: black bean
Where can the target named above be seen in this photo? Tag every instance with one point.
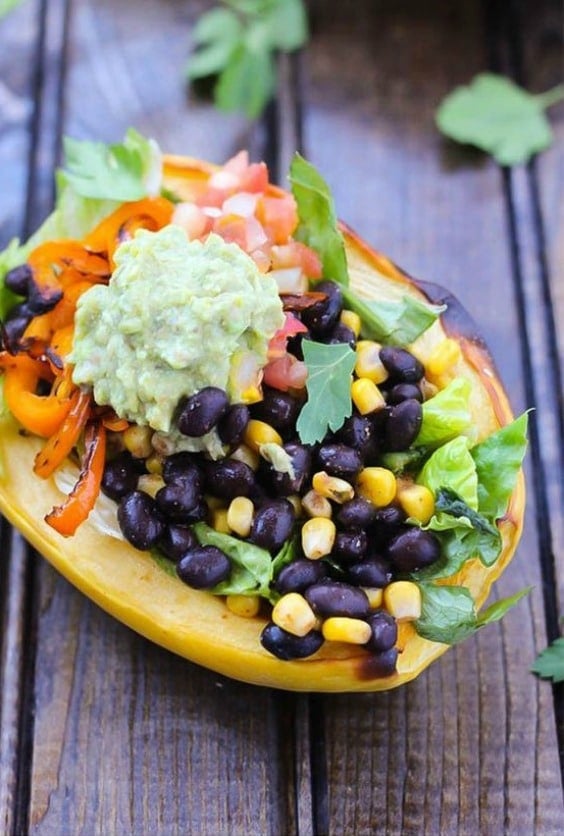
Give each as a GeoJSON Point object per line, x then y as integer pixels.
{"type": "Point", "coordinates": [232, 426]}
{"type": "Point", "coordinates": [341, 334]}
{"type": "Point", "coordinates": [374, 571]}
{"type": "Point", "coordinates": [279, 409]}
{"type": "Point", "coordinates": [200, 413]}
{"type": "Point", "coordinates": [140, 520]}
{"type": "Point", "coordinates": [41, 300]}
{"type": "Point", "coordinates": [177, 499]}
{"type": "Point", "coordinates": [337, 598]}
{"type": "Point", "coordinates": [283, 484]}
{"type": "Point", "coordinates": [299, 574]}
{"type": "Point", "coordinates": [322, 317]}
{"type": "Point", "coordinates": [196, 514]}
{"type": "Point", "coordinates": [350, 545]}
{"type": "Point", "coordinates": [388, 523]}
{"type": "Point", "coordinates": [383, 664]}
{"type": "Point", "coordinates": [176, 541]}
{"type": "Point", "coordinates": [15, 324]}
{"type": "Point", "coordinates": [414, 549]}
{"type": "Point", "coordinates": [18, 279]}
{"type": "Point", "coordinates": [384, 631]}
{"type": "Point", "coordinates": [229, 478]}
{"type": "Point", "coordinates": [403, 425]}
{"type": "Point", "coordinates": [179, 465]}
{"type": "Point", "coordinates": [120, 476]}
{"type": "Point", "coordinates": [339, 460]}
{"type": "Point", "coordinates": [401, 365]}
{"type": "Point", "coordinates": [272, 524]}
{"type": "Point", "coordinates": [402, 391]}
{"type": "Point", "coordinates": [357, 513]}
{"type": "Point", "coordinates": [203, 567]}
{"type": "Point", "coordinates": [285, 646]}
{"type": "Point", "coordinates": [358, 432]}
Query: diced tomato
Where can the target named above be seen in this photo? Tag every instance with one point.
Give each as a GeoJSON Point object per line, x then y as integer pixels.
{"type": "Point", "coordinates": [236, 165]}
{"type": "Point", "coordinates": [279, 216]}
{"type": "Point", "coordinates": [285, 373]}
{"type": "Point", "coordinates": [255, 178]}
{"type": "Point", "coordinates": [291, 327]}
{"type": "Point", "coordinates": [247, 233]}
{"type": "Point", "coordinates": [192, 219]}
{"type": "Point", "coordinates": [296, 254]}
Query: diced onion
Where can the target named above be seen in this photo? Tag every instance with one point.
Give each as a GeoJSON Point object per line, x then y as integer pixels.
{"type": "Point", "coordinates": [290, 280]}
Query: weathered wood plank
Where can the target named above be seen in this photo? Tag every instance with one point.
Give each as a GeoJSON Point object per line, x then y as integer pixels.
{"type": "Point", "coordinates": [470, 746]}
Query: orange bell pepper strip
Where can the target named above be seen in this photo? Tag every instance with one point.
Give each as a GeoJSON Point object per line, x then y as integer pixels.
{"type": "Point", "coordinates": [39, 414]}
{"type": "Point", "coordinates": [149, 213]}
{"type": "Point", "coordinates": [75, 509]}
{"type": "Point", "coordinates": [64, 440]}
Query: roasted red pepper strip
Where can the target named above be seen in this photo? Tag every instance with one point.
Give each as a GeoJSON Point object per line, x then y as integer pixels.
{"type": "Point", "coordinates": [62, 442]}
{"type": "Point", "coordinates": [67, 517]}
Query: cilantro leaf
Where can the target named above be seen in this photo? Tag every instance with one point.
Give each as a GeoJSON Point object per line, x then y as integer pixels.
{"type": "Point", "coordinates": [549, 664]}
{"type": "Point", "coordinates": [497, 116]}
{"type": "Point", "coordinates": [448, 613]}
{"type": "Point", "coordinates": [329, 389]}
{"type": "Point", "coordinates": [7, 6]}
{"type": "Point", "coordinates": [104, 172]}
{"type": "Point", "coordinates": [247, 82]}
{"type": "Point", "coordinates": [318, 221]}
{"type": "Point", "coordinates": [216, 34]}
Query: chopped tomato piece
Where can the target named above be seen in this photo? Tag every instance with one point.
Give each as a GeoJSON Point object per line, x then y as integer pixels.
{"type": "Point", "coordinates": [291, 327]}
{"type": "Point", "coordinates": [296, 254]}
{"type": "Point", "coordinates": [285, 373]}
{"type": "Point", "coordinates": [279, 216]}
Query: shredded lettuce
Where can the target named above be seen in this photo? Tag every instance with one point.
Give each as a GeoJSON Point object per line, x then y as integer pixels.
{"type": "Point", "coordinates": [446, 415]}
{"type": "Point", "coordinates": [498, 459]}
{"type": "Point", "coordinates": [452, 466]}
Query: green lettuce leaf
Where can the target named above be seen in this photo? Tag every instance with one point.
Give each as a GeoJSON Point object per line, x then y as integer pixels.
{"type": "Point", "coordinates": [328, 389]}
{"type": "Point", "coordinates": [452, 466]}
{"type": "Point", "coordinates": [447, 414]}
{"type": "Point", "coordinates": [498, 459]}
{"type": "Point", "coordinates": [394, 323]}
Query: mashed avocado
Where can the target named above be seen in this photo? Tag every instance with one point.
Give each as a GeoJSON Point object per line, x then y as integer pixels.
{"type": "Point", "coordinates": [175, 317]}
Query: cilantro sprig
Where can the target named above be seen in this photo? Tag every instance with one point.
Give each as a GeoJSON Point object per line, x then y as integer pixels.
{"type": "Point", "coordinates": [497, 116]}
{"type": "Point", "coordinates": [549, 664]}
{"type": "Point", "coordinates": [328, 388]}
{"type": "Point", "coordinates": [237, 43]}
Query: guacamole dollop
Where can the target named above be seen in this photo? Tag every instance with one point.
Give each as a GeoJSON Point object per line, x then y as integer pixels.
{"type": "Point", "coordinates": [176, 316]}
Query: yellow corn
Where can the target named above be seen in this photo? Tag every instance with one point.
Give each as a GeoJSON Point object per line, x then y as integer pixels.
{"type": "Point", "coordinates": [351, 320]}
{"type": "Point", "coordinates": [244, 454]}
{"type": "Point", "coordinates": [318, 537]}
{"type": "Point", "coordinates": [443, 357]}
{"type": "Point", "coordinates": [368, 363]}
{"type": "Point", "coordinates": [137, 440]}
{"type": "Point", "coordinates": [316, 505]}
{"type": "Point", "coordinates": [377, 485]}
{"type": "Point", "coordinates": [154, 464]}
{"type": "Point", "coordinates": [417, 501]}
{"type": "Point", "coordinates": [428, 389]}
{"type": "Point", "coordinates": [240, 515]}
{"type": "Point", "coordinates": [258, 432]}
{"type": "Point", "coordinates": [247, 606]}
{"type": "Point", "coordinates": [150, 483]}
{"type": "Point", "coordinates": [219, 520]}
{"type": "Point", "coordinates": [332, 487]}
{"type": "Point", "coordinates": [293, 614]}
{"type": "Point", "coordinates": [402, 599]}
{"type": "Point", "coordinates": [366, 396]}
{"type": "Point", "coordinates": [342, 629]}
{"type": "Point", "coordinates": [375, 596]}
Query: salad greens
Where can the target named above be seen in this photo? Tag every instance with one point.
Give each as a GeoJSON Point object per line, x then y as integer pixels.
{"type": "Point", "coordinates": [329, 389]}
{"type": "Point", "coordinates": [549, 664]}
{"type": "Point", "coordinates": [446, 414]}
{"type": "Point", "coordinates": [452, 467]}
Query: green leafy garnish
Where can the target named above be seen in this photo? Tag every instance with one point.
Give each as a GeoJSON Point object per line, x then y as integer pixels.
{"type": "Point", "coordinates": [498, 459]}
{"type": "Point", "coordinates": [9, 258]}
{"type": "Point", "coordinates": [328, 384]}
{"type": "Point", "coordinates": [238, 43]}
{"type": "Point", "coordinates": [7, 6]}
{"type": "Point", "coordinates": [394, 323]}
{"type": "Point", "coordinates": [318, 221]}
{"type": "Point", "coordinates": [549, 664]}
{"type": "Point", "coordinates": [452, 466]}
{"type": "Point", "coordinates": [496, 115]}
{"type": "Point", "coordinates": [448, 613]}
{"type": "Point", "coordinates": [447, 414]}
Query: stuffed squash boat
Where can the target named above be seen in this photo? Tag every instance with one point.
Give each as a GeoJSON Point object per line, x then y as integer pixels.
{"type": "Point", "coordinates": [246, 434]}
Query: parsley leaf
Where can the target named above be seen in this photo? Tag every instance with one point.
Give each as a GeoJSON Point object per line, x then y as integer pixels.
{"type": "Point", "coordinates": [328, 387]}
{"type": "Point", "coordinates": [497, 116]}
{"type": "Point", "coordinates": [549, 664]}
{"type": "Point", "coordinates": [237, 44]}
{"type": "Point", "coordinates": [318, 221]}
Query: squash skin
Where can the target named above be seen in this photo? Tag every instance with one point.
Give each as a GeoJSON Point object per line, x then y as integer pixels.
{"type": "Point", "coordinates": [128, 583]}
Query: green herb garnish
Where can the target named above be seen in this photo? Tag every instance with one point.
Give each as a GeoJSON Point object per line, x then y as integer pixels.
{"type": "Point", "coordinates": [328, 387]}
{"type": "Point", "coordinates": [499, 117]}
{"type": "Point", "coordinates": [549, 664]}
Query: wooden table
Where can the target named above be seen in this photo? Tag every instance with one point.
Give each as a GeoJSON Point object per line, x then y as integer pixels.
{"type": "Point", "coordinates": [103, 733]}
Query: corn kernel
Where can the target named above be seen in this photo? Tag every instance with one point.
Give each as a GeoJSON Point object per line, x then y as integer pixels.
{"type": "Point", "coordinates": [318, 537]}
{"type": "Point", "coordinates": [417, 501]}
{"type": "Point", "coordinates": [293, 614]}
{"type": "Point", "coordinates": [296, 504]}
{"type": "Point", "coordinates": [258, 432]}
{"type": "Point", "coordinates": [150, 483]}
{"type": "Point", "coordinates": [342, 629]}
{"type": "Point", "coordinates": [219, 520]}
{"type": "Point", "coordinates": [377, 485]}
{"type": "Point", "coordinates": [375, 596]}
{"type": "Point", "coordinates": [443, 357]}
{"type": "Point", "coordinates": [368, 363]}
{"type": "Point", "coordinates": [154, 464]}
{"type": "Point", "coordinates": [316, 505]}
{"type": "Point", "coordinates": [402, 599]}
{"type": "Point", "coordinates": [351, 320]}
{"type": "Point", "coordinates": [137, 440]}
{"type": "Point", "coordinates": [247, 606]}
{"type": "Point", "coordinates": [332, 487]}
{"type": "Point", "coordinates": [244, 454]}
{"type": "Point", "coordinates": [240, 515]}
{"type": "Point", "coordinates": [428, 389]}
{"type": "Point", "coordinates": [366, 396]}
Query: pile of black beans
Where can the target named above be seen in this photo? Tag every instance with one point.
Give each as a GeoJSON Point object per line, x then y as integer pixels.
{"type": "Point", "coordinates": [373, 546]}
